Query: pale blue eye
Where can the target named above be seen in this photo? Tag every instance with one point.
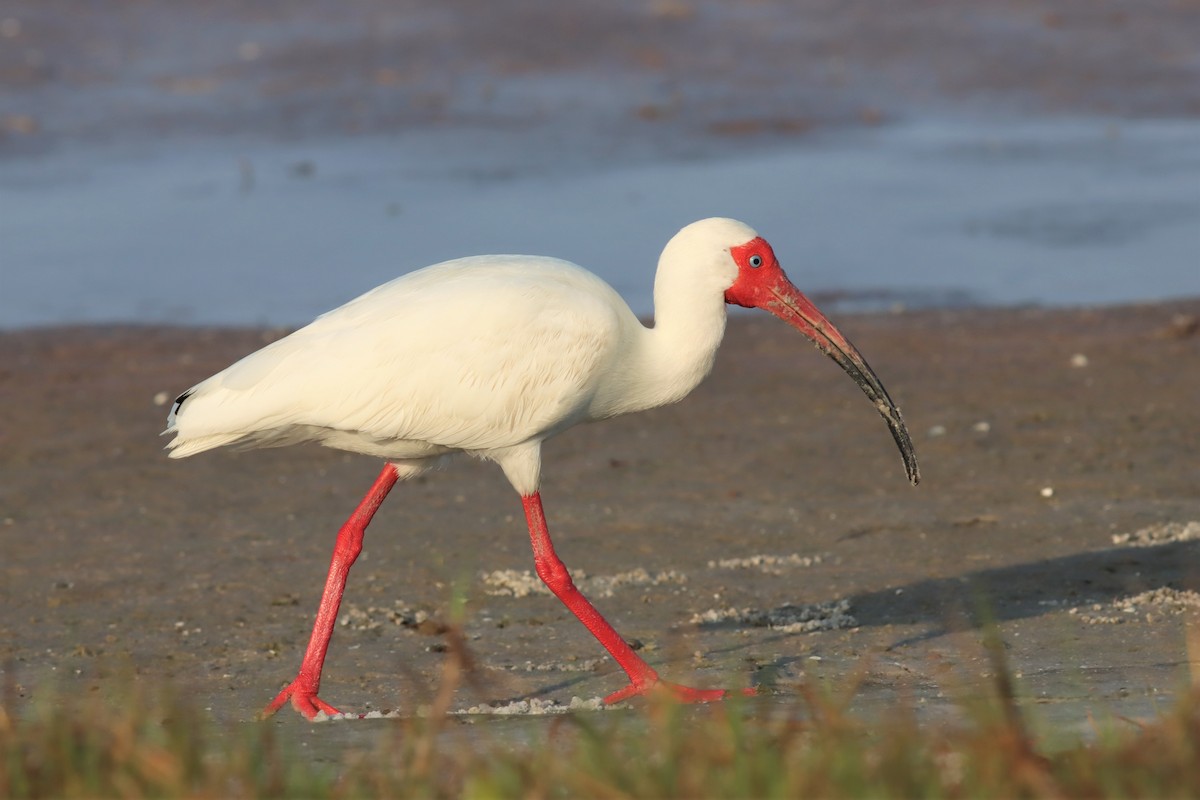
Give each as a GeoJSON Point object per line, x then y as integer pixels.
{"type": "Point", "coordinates": [755, 261]}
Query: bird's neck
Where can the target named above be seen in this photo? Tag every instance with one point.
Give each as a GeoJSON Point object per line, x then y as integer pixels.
{"type": "Point", "coordinates": [664, 363]}
{"type": "Point", "coordinates": [683, 343]}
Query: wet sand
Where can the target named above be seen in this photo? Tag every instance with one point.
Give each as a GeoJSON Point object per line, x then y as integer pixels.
{"type": "Point", "coordinates": [614, 80]}
{"type": "Point", "coordinates": [1042, 435]}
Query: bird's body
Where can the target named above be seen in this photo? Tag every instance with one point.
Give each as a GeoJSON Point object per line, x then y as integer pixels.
{"type": "Point", "coordinates": [491, 356]}
{"type": "Point", "coordinates": [397, 346]}
{"type": "Point", "coordinates": [479, 355]}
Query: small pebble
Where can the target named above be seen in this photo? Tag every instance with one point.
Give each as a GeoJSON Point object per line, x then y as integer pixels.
{"type": "Point", "coordinates": [1079, 360]}
{"type": "Point", "coordinates": [1047, 491]}
{"type": "Point", "coordinates": [161, 399]}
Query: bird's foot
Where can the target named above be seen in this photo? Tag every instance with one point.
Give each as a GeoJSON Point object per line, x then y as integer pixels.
{"type": "Point", "coordinates": [681, 694]}
{"type": "Point", "coordinates": [304, 699]}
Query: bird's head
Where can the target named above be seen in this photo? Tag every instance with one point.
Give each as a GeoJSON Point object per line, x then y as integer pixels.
{"type": "Point", "coordinates": [754, 279]}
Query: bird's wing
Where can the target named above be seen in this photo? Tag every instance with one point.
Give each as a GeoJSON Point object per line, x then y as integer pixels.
{"type": "Point", "coordinates": [476, 354]}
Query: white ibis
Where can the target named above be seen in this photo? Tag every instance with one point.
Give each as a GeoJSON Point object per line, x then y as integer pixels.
{"type": "Point", "coordinates": [491, 356]}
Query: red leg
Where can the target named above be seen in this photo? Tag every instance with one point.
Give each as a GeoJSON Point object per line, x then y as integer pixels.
{"type": "Point", "coordinates": [642, 678]}
{"type": "Point", "coordinates": [303, 690]}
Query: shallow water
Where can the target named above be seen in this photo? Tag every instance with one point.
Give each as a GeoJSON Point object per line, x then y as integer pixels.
{"type": "Point", "coordinates": [937, 213]}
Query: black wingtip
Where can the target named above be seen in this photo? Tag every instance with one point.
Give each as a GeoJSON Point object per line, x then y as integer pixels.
{"type": "Point", "coordinates": [179, 400]}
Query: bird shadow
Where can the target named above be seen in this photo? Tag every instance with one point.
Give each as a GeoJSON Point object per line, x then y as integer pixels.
{"type": "Point", "coordinates": [1017, 591]}
{"type": "Point", "coordinates": [939, 606]}
{"type": "Point", "coordinates": [1028, 590]}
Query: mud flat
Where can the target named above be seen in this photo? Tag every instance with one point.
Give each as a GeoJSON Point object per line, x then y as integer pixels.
{"type": "Point", "coordinates": [760, 532]}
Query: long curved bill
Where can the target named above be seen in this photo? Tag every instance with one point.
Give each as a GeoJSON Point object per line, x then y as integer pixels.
{"type": "Point", "coordinates": [790, 305]}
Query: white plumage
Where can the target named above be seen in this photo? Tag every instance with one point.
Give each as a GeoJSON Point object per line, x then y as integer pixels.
{"type": "Point", "coordinates": [491, 356]}
{"type": "Point", "coordinates": [482, 355]}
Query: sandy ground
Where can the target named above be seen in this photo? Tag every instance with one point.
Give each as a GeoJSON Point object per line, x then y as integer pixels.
{"type": "Point", "coordinates": [589, 80]}
{"type": "Point", "coordinates": [1042, 434]}
{"type": "Point", "coordinates": [207, 571]}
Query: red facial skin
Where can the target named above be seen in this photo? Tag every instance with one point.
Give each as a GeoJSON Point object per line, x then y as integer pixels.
{"type": "Point", "coordinates": [761, 283]}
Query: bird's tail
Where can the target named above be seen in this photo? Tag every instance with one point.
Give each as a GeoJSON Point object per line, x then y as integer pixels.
{"type": "Point", "coordinates": [182, 445]}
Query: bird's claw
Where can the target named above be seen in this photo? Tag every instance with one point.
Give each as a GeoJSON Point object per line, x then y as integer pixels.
{"type": "Point", "coordinates": [677, 692]}
{"type": "Point", "coordinates": [304, 700]}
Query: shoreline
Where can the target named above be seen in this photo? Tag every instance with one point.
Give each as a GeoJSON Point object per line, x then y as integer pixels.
{"type": "Point", "coordinates": [206, 571]}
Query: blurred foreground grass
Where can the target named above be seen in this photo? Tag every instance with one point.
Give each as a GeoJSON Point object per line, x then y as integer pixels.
{"type": "Point", "coordinates": [156, 744]}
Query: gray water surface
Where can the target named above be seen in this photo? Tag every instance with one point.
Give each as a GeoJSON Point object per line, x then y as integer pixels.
{"type": "Point", "coordinates": [942, 213]}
